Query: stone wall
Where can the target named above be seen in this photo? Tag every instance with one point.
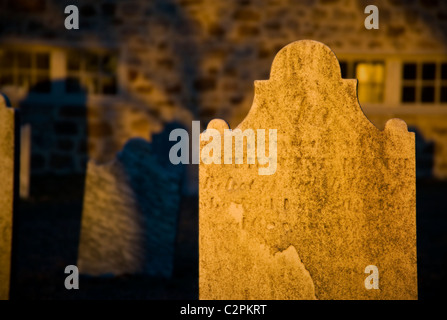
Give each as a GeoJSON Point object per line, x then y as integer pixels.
{"type": "Point", "coordinates": [195, 59]}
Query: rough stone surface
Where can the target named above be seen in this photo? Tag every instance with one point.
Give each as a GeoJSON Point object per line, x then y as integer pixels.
{"type": "Point", "coordinates": [6, 193]}
{"type": "Point", "coordinates": [130, 213]}
{"type": "Point", "coordinates": [342, 197]}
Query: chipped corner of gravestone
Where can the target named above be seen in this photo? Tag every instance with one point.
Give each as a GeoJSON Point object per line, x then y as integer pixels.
{"type": "Point", "coordinates": [342, 197]}
{"type": "Point", "coordinates": [7, 162]}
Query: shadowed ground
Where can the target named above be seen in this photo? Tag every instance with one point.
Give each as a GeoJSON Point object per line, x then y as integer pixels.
{"type": "Point", "coordinates": [48, 234]}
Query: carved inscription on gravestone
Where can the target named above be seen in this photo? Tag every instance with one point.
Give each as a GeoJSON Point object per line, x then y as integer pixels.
{"type": "Point", "coordinates": [7, 138]}
{"type": "Point", "coordinates": [342, 196]}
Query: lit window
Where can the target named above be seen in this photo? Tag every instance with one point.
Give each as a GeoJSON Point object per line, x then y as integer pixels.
{"type": "Point", "coordinates": [96, 72]}
{"type": "Point", "coordinates": [25, 69]}
{"type": "Point", "coordinates": [371, 81]}
{"type": "Point", "coordinates": [371, 77]}
{"type": "Point", "coordinates": [424, 82]}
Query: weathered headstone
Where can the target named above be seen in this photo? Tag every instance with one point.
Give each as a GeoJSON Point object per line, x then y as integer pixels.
{"type": "Point", "coordinates": [7, 155]}
{"type": "Point", "coordinates": [25, 160]}
{"type": "Point", "coordinates": [342, 197]}
{"type": "Point", "coordinates": [130, 213]}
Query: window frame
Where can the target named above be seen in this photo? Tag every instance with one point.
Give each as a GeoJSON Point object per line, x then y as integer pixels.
{"type": "Point", "coordinates": [420, 82]}
{"type": "Point", "coordinates": [83, 73]}
{"type": "Point", "coordinates": [353, 60]}
{"type": "Point", "coordinates": [351, 69]}
{"type": "Point", "coordinates": [393, 83]}
{"type": "Point", "coordinates": [58, 72]}
{"type": "Point", "coordinates": [32, 71]}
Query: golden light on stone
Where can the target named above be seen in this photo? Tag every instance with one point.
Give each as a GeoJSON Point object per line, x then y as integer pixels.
{"type": "Point", "coordinates": [342, 198]}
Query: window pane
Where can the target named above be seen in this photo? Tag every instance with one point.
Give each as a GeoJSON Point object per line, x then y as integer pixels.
{"type": "Point", "coordinates": [373, 72]}
{"type": "Point", "coordinates": [24, 80]}
{"type": "Point", "coordinates": [409, 71]}
{"type": "Point", "coordinates": [10, 59]}
{"type": "Point", "coordinates": [95, 72]}
{"type": "Point", "coordinates": [444, 71]}
{"type": "Point", "coordinates": [370, 92]}
{"type": "Point", "coordinates": [344, 69]}
{"type": "Point", "coordinates": [428, 71]}
{"type": "Point", "coordinates": [109, 64]}
{"type": "Point", "coordinates": [25, 69]}
{"type": "Point", "coordinates": [92, 84]}
{"type": "Point", "coordinates": [371, 77]}
{"type": "Point", "coordinates": [444, 94]}
{"type": "Point", "coordinates": [42, 61]}
{"type": "Point", "coordinates": [408, 94]}
{"type": "Point", "coordinates": [24, 60]}
{"type": "Point", "coordinates": [109, 85]}
{"type": "Point", "coordinates": [92, 62]}
{"type": "Point", "coordinates": [6, 59]}
{"type": "Point", "coordinates": [6, 79]}
{"type": "Point", "coordinates": [73, 61]}
{"type": "Point", "coordinates": [428, 94]}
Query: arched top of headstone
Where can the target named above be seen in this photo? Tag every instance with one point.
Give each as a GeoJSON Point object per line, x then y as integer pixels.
{"type": "Point", "coordinates": [219, 125]}
{"type": "Point", "coordinates": [305, 59]}
{"type": "Point", "coordinates": [305, 90]}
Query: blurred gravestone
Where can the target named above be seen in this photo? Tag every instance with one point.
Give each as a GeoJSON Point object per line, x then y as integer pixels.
{"type": "Point", "coordinates": [130, 211]}
{"type": "Point", "coordinates": [7, 170]}
{"type": "Point", "coordinates": [342, 197]}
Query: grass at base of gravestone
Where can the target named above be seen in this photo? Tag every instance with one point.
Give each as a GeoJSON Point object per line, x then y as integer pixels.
{"type": "Point", "coordinates": [48, 236]}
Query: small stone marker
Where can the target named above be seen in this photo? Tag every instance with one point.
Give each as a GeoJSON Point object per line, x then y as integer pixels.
{"type": "Point", "coordinates": [342, 197]}
{"type": "Point", "coordinates": [7, 154]}
{"type": "Point", "coordinates": [25, 160]}
{"type": "Point", "coordinates": [130, 212]}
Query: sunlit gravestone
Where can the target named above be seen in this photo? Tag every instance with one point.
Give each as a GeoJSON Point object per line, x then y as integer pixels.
{"type": "Point", "coordinates": [7, 163]}
{"type": "Point", "coordinates": [335, 200]}
{"type": "Point", "coordinates": [130, 214]}
{"type": "Point", "coordinates": [25, 160]}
